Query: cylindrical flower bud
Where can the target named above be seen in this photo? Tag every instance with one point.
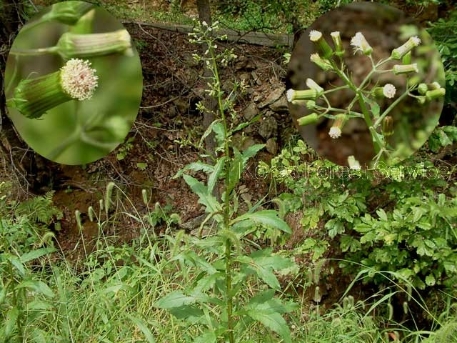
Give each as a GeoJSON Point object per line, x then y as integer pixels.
{"type": "Point", "coordinates": [321, 44]}
{"type": "Point", "coordinates": [435, 94]}
{"type": "Point", "coordinates": [422, 88]}
{"type": "Point", "coordinates": [434, 85]}
{"type": "Point", "coordinates": [309, 119]}
{"type": "Point", "coordinates": [405, 69]}
{"type": "Point", "coordinates": [339, 50]}
{"type": "Point", "coordinates": [360, 44]}
{"type": "Point", "coordinates": [310, 104]}
{"type": "Point", "coordinates": [94, 44]}
{"type": "Point", "coordinates": [321, 63]}
{"type": "Point", "coordinates": [401, 51]}
{"type": "Point", "coordinates": [75, 80]}
{"type": "Point", "coordinates": [335, 130]}
{"type": "Point", "coordinates": [421, 99]}
{"type": "Point", "coordinates": [388, 126]}
{"type": "Point", "coordinates": [306, 94]}
{"type": "Point", "coordinates": [353, 163]}
{"type": "Point", "coordinates": [313, 85]}
{"type": "Point", "coordinates": [67, 12]}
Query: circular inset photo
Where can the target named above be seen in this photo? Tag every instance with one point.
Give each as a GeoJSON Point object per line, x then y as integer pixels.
{"type": "Point", "coordinates": [73, 83]}
{"type": "Point", "coordinates": [365, 85]}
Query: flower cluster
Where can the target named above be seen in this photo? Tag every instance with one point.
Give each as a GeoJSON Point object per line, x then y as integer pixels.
{"type": "Point", "coordinates": [323, 58]}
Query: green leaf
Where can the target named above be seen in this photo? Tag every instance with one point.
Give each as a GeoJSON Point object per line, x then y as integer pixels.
{"type": "Point", "coordinates": [430, 280]}
{"type": "Point", "coordinates": [38, 287]}
{"type": "Point", "coordinates": [205, 198]}
{"type": "Point", "coordinates": [382, 214]}
{"type": "Point", "coordinates": [219, 131]}
{"type": "Point", "coordinates": [196, 167]}
{"type": "Point", "coordinates": [175, 299]}
{"type": "Point", "coordinates": [251, 152]}
{"type": "Point", "coordinates": [142, 325]}
{"type": "Point", "coordinates": [268, 218]}
{"type": "Point", "coordinates": [273, 321]}
{"type": "Point", "coordinates": [451, 132]}
{"type": "Point", "coordinates": [34, 254]}
{"type": "Point", "coordinates": [214, 176]}
{"type": "Point", "coordinates": [208, 337]}
{"type": "Point", "coordinates": [10, 321]}
{"type": "Point", "coordinates": [209, 130]}
{"type": "Point", "coordinates": [190, 313]}
{"type": "Point", "coordinates": [141, 165]}
{"type": "Point", "coordinates": [235, 170]}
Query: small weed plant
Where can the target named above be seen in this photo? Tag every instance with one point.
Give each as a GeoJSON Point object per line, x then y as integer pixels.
{"type": "Point", "coordinates": [398, 219]}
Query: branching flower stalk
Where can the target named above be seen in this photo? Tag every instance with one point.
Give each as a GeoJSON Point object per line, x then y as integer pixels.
{"type": "Point", "coordinates": [366, 98]}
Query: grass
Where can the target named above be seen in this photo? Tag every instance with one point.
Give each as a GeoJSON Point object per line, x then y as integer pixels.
{"type": "Point", "coordinates": [110, 295]}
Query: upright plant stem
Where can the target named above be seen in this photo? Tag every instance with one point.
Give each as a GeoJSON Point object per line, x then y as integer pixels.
{"type": "Point", "coordinates": [226, 202]}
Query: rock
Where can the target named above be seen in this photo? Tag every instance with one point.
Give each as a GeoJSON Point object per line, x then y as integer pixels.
{"type": "Point", "coordinates": [268, 127]}
{"type": "Point", "coordinates": [251, 111]}
{"type": "Point", "coordinates": [271, 146]}
{"type": "Point", "coordinates": [256, 78]}
{"type": "Point", "coordinates": [273, 96]}
{"type": "Point", "coordinates": [280, 106]}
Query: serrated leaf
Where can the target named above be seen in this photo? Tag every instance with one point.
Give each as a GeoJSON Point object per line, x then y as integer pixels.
{"type": "Point", "coordinates": [267, 276]}
{"type": "Point", "coordinates": [382, 214]}
{"type": "Point", "coordinates": [190, 313]}
{"type": "Point", "coordinates": [451, 132]}
{"type": "Point", "coordinates": [175, 300]}
{"type": "Point", "coordinates": [209, 130]}
{"type": "Point", "coordinates": [219, 131]}
{"type": "Point", "coordinates": [205, 198]}
{"type": "Point", "coordinates": [235, 170]}
{"type": "Point", "coordinates": [208, 337]}
{"type": "Point", "coordinates": [251, 152]}
{"type": "Point", "coordinates": [430, 280]}
{"type": "Point", "coordinates": [214, 176]}
{"type": "Point", "coordinates": [196, 167]}
{"type": "Point", "coordinates": [268, 218]}
{"type": "Point", "coordinates": [273, 321]}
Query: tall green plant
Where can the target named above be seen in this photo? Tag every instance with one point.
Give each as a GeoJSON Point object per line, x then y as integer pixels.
{"type": "Point", "coordinates": [220, 299]}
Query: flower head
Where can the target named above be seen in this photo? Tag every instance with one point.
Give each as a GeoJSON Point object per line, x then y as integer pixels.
{"type": "Point", "coordinates": [335, 132]}
{"type": "Point", "coordinates": [389, 90]}
{"type": "Point", "coordinates": [315, 35]}
{"type": "Point", "coordinates": [78, 80]}
{"type": "Point", "coordinates": [360, 44]}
